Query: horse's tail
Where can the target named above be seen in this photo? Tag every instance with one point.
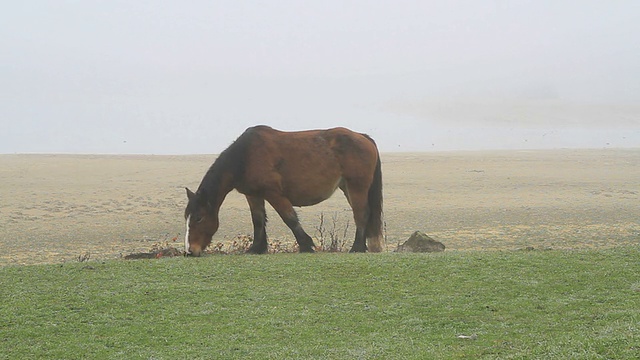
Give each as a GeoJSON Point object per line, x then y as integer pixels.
{"type": "Point", "coordinates": [373, 230]}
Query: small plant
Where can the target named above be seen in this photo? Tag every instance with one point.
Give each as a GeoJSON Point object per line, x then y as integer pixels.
{"type": "Point", "coordinates": [384, 232]}
{"type": "Point", "coordinates": [84, 257]}
{"type": "Point", "coordinates": [332, 237]}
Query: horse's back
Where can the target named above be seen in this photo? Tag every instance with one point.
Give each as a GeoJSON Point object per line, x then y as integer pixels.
{"type": "Point", "coordinates": [337, 139]}
{"type": "Point", "coordinates": [348, 148]}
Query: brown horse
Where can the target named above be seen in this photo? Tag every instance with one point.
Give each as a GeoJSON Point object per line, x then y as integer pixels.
{"type": "Point", "coordinates": [290, 169]}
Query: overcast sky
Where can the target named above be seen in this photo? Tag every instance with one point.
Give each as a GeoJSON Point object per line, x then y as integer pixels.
{"type": "Point", "coordinates": [175, 77]}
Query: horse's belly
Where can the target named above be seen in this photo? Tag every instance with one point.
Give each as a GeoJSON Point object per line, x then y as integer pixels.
{"type": "Point", "coordinates": [310, 194]}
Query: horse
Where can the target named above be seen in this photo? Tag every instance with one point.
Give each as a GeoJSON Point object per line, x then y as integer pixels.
{"type": "Point", "coordinates": [287, 169]}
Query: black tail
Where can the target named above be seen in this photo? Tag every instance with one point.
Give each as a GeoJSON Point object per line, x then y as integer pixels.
{"type": "Point", "coordinates": [374, 225]}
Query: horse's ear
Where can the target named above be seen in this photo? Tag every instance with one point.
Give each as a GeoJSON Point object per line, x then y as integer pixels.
{"type": "Point", "coordinates": [190, 193]}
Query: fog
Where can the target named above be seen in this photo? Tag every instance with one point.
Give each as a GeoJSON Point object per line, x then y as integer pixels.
{"type": "Point", "coordinates": [169, 77]}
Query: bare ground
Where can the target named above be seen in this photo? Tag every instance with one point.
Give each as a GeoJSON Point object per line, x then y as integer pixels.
{"type": "Point", "coordinates": [56, 208]}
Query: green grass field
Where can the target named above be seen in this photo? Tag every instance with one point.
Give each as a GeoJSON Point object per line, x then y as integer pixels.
{"type": "Point", "coordinates": [526, 304]}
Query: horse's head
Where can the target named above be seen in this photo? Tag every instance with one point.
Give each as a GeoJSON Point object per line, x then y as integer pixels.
{"type": "Point", "coordinates": [202, 223]}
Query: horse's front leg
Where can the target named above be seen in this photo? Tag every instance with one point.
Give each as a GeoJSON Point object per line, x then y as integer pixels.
{"type": "Point", "coordinates": [284, 208]}
{"type": "Point", "coordinates": [259, 220]}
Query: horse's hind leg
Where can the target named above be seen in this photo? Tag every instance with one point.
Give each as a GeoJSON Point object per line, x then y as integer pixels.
{"type": "Point", "coordinates": [358, 200]}
{"type": "Point", "coordinates": [284, 208]}
{"type": "Point", "coordinates": [259, 219]}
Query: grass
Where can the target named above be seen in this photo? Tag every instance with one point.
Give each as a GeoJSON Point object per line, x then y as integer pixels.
{"type": "Point", "coordinates": [527, 304]}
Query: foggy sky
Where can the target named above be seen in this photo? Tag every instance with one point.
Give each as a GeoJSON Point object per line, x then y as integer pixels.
{"type": "Point", "coordinates": [175, 77]}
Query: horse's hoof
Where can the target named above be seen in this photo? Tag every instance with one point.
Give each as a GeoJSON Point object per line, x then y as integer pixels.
{"type": "Point", "coordinates": [256, 251]}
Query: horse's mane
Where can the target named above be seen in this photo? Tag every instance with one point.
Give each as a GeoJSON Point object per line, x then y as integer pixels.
{"type": "Point", "coordinates": [232, 160]}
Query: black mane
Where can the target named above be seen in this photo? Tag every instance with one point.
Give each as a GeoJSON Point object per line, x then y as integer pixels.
{"type": "Point", "coordinates": [232, 159]}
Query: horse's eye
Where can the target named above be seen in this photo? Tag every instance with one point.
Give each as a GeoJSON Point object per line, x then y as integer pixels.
{"type": "Point", "coordinates": [196, 219]}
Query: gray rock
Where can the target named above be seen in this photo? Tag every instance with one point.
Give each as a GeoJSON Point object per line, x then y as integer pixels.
{"type": "Point", "coordinates": [420, 242]}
